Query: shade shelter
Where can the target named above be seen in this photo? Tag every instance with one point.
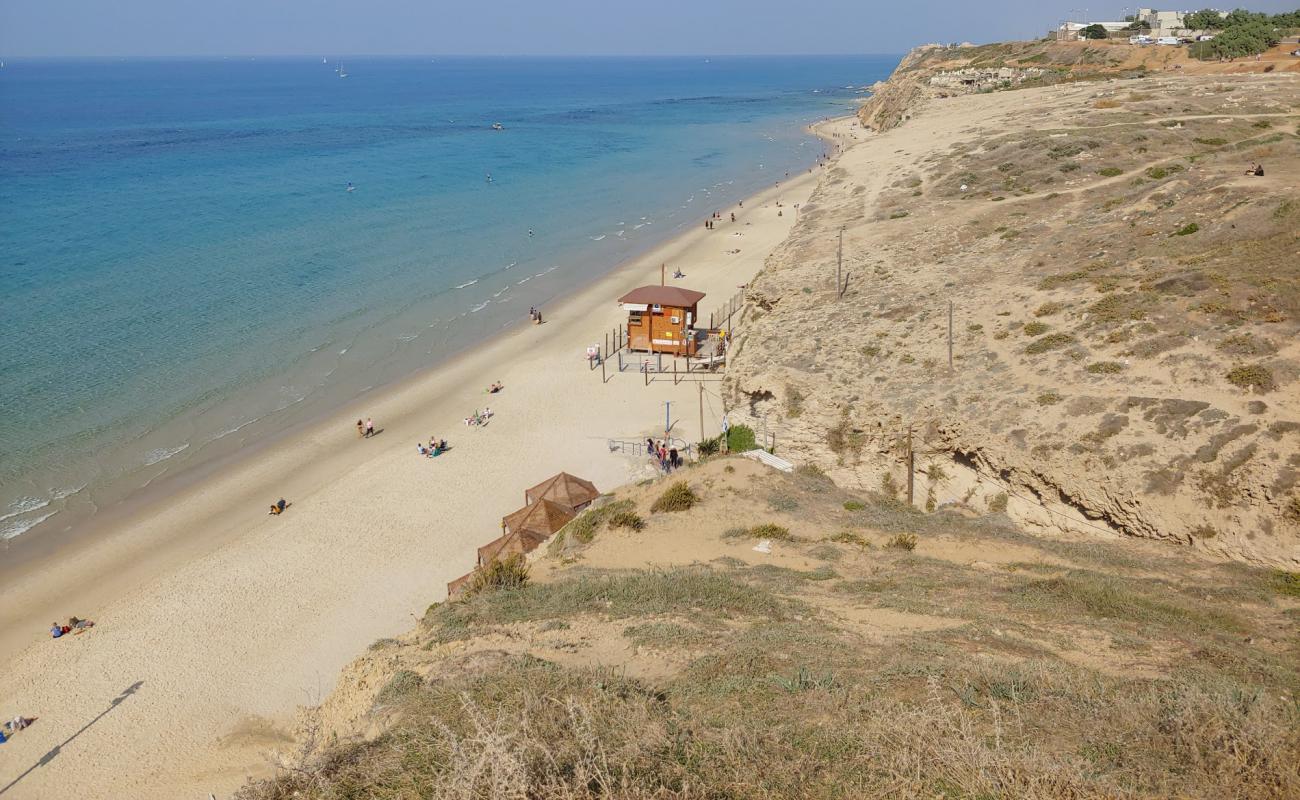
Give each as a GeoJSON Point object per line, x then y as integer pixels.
{"type": "Point", "coordinates": [522, 542]}
{"type": "Point", "coordinates": [661, 319]}
{"type": "Point", "coordinates": [567, 490]}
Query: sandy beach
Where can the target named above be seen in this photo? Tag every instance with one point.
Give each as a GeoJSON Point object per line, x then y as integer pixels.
{"type": "Point", "coordinates": [216, 621]}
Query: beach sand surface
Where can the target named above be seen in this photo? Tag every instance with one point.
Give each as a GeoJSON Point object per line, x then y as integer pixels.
{"type": "Point", "coordinates": [216, 621]}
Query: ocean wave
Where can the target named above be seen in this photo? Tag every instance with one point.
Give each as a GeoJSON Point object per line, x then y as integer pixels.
{"type": "Point", "coordinates": [511, 264]}
{"type": "Point", "coordinates": [162, 454]}
{"type": "Point", "coordinates": [24, 505]}
{"type": "Point", "coordinates": [620, 233]}
{"type": "Point", "coordinates": [408, 338]}
{"type": "Point", "coordinates": [9, 530]}
{"type": "Point", "coordinates": [596, 238]}
{"type": "Point", "coordinates": [469, 283]}
{"type": "Point", "coordinates": [503, 291]}
{"type": "Point", "coordinates": [638, 226]}
{"type": "Point", "coordinates": [480, 307]}
{"type": "Point", "coordinates": [525, 280]}
{"type": "Point", "coordinates": [344, 350]}
{"type": "Point", "coordinates": [235, 429]}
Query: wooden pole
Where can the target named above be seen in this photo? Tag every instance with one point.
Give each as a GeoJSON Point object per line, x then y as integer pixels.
{"type": "Point", "coordinates": [911, 464]}
{"type": "Point", "coordinates": [663, 274]}
{"type": "Point", "coordinates": [688, 355]}
{"type": "Point", "coordinates": [602, 370]}
{"type": "Point", "coordinates": [606, 347]}
{"type": "Point", "coordinates": [839, 266]}
{"type": "Point", "coordinates": [701, 385]}
{"type": "Point", "coordinates": [950, 336]}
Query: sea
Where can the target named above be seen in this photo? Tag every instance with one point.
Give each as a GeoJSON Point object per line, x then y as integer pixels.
{"type": "Point", "coordinates": [196, 254]}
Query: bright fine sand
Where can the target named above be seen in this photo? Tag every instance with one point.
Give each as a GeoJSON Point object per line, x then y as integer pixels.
{"type": "Point", "coordinates": [215, 620]}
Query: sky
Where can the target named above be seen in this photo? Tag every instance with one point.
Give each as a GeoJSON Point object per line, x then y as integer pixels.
{"type": "Point", "coordinates": [518, 27]}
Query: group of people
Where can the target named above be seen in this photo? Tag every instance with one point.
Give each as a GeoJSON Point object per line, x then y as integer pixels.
{"type": "Point", "coordinates": [366, 429]}
{"type": "Point", "coordinates": [479, 418]}
{"type": "Point", "coordinates": [668, 457]}
{"type": "Point", "coordinates": [14, 725]}
{"type": "Point", "coordinates": [716, 216]}
{"type": "Point", "coordinates": [435, 448]}
{"type": "Point", "coordinates": [535, 314]}
{"type": "Point", "coordinates": [1257, 171]}
{"type": "Point", "coordinates": [74, 626]}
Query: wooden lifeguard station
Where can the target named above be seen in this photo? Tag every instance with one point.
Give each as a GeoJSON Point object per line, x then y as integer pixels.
{"type": "Point", "coordinates": [662, 319]}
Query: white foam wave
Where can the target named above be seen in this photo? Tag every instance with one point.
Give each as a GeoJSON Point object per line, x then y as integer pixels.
{"type": "Point", "coordinates": [344, 350]}
{"type": "Point", "coordinates": [24, 505]}
{"type": "Point", "coordinates": [479, 307]}
{"type": "Point", "coordinates": [162, 454]}
{"type": "Point", "coordinates": [235, 429]}
{"type": "Point", "coordinates": [596, 238]}
{"type": "Point", "coordinates": [511, 264]}
{"type": "Point", "coordinates": [468, 283]}
{"type": "Point", "coordinates": [525, 280]}
{"type": "Point", "coordinates": [503, 291]}
{"type": "Point", "coordinates": [408, 338]}
{"type": "Point", "coordinates": [9, 530]}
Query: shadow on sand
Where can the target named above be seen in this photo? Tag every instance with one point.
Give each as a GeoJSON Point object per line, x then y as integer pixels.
{"type": "Point", "coordinates": [58, 748]}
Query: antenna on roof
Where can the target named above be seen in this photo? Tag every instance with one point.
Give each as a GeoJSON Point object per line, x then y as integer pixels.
{"type": "Point", "coordinates": [663, 271]}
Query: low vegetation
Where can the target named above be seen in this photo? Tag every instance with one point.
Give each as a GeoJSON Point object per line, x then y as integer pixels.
{"type": "Point", "coordinates": [677, 497]}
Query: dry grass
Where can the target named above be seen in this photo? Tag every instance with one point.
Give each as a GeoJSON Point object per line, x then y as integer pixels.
{"type": "Point", "coordinates": [677, 497]}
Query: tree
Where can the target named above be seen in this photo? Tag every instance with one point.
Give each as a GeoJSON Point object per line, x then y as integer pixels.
{"type": "Point", "coordinates": [1207, 19]}
{"type": "Point", "coordinates": [1094, 31]}
{"type": "Point", "coordinates": [1139, 25]}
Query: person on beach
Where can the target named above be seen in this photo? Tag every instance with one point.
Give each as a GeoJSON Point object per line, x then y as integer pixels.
{"type": "Point", "coordinates": [278, 508]}
{"type": "Point", "coordinates": [361, 428]}
{"type": "Point", "coordinates": [370, 427]}
{"type": "Point", "coordinates": [419, 447]}
{"type": "Point", "coordinates": [79, 625]}
{"type": "Point", "coordinates": [56, 630]}
{"type": "Point", "coordinates": [733, 216]}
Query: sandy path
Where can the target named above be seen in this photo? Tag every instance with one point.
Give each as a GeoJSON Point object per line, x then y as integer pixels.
{"type": "Point", "coordinates": [241, 617]}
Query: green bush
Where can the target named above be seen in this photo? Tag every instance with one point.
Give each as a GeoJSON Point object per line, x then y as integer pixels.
{"type": "Point", "coordinates": [1049, 398]}
{"type": "Point", "coordinates": [849, 537]}
{"type": "Point", "coordinates": [740, 439]}
{"type": "Point", "coordinates": [1104, 368]}
{"type": "Point", "coordinates": [902, 541]}
{"type": "Point", "coordinates": [1156, 173]}
{"type": "Point", "coordinates": [510, 572]}
{"type": "Point", "coordinates": [1110, 172]}
{"type": "Point", "coordinates": [1035, 328]}
{"type": "Point", "coordinates": [1048, 309]}
{"type": "Point", "coordinates": [998, 503]}
{"type": "Point", "coordinates": [1252, 375]}
{"type": "Point", "coordinates": [627, 519]}
{"type": "Point", "coordinates": [1187, 229]}
{"type": "Point", "coordinates": [853, 505]}
{"type": "Point", "coordinates": [678, 497]}
{"type": "Point", "coordinates": [1213, 141]}
{"type": "Point", "coordinates": [1052, 341]}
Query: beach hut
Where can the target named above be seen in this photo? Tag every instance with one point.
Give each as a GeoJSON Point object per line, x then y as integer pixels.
{"type": "Point", "coordinates": [567, 490]}
{"type": "Point", "coordinates": [454, 588]}
{"type": "Point", "coordinates": [661, 319]}
{"type": "Point", "coordinates": [526, 529]}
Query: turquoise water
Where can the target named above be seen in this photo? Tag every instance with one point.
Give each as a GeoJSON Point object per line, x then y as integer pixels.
{"type": "Point", "coordinates": [185, 270]}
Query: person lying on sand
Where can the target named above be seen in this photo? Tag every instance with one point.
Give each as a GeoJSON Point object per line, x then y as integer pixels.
{"type": "Point", "coordinates": [496, 387]}
{"type": "Point", "coordinates": [80, 625]}
{"type": "Point", "coordinates": [278, 508]}
{"type": "Point", "coordinates": [56, 630]}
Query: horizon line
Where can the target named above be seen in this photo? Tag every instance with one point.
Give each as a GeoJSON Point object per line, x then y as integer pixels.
{"type": "Point", "coordinates": [224, 56]}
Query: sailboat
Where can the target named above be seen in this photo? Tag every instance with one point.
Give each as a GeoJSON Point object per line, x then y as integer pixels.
{"type": "Point", "coordinates": [343, 73]}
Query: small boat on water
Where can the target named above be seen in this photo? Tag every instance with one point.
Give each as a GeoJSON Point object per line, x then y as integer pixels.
{"type": "Point", "coordinates": [497, 126]}
{"type": "Point", "coordinates": [343, 72]}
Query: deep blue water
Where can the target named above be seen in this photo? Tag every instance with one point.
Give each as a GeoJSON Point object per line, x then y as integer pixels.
{"type": "Point", "coordinates": [182, 262]}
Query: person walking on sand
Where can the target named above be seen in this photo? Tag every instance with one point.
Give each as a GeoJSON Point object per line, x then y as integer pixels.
{"type": "Point", "coordinates": [361, 428]}
{"type": "Point", "coordinates": [370, 427]}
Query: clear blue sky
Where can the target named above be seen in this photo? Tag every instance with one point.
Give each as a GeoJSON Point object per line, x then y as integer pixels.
{"type": "Point", "coordinates": [550, 27]}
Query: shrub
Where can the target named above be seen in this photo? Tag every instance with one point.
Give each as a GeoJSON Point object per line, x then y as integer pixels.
{"type": "Point", "coordinates": [627, 519]}
{"type": "Point", "coordinates": [1110, 172]}
{"type": "Point", "coordinates": [711, 447]}
{"type": "Point", "coordinates": [898, 215]}
{"type": "Point", "coordinates": [1049, 398]}
{"type": "Point", "coordinates": [853, 505]}
{"type": "Point", "coordinates": [1187, 229]}
{"type": "Point", "coordinates": [1069, 166]}
{"type": "Point", "coordinates": [1287, 583]}
{"type": "Point", "coordinates": [902, 541]}
{"type": "Point", "coordinates": [740, 439]}
{"type": "Point", "coordinates": [770, 530]}
{"type": "Point", "coordinates": [1213, 141]}
{"type": "Point", "coordinates": [1048, 309]}
{"type": "Point", "coordinates": [510, 572]}
{"type": "Point", "coordinates": [1254, 376]}
{"type": "Point", "coordinates": [402, 684]}
{"type": "Point", "coordinates": [678, 497]}
{"type": "Point", "coordinates": [1156, 173]}
{"type": "Point", "coordinates": [1104, 368]}
{"type": "Point", "coordinates": [1035, 328]}
{"type": "Point", "coordinates": [849, 537]}
{"type": "Point", "coordinates": [1053, 341]}
{"type": "Point", "coordinates": [1291, 509]}
{"type": "Point", "coordinates": [998, 503]}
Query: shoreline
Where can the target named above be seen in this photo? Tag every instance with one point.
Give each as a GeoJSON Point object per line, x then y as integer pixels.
{"type": "Point", "coordinates": [227, 560]}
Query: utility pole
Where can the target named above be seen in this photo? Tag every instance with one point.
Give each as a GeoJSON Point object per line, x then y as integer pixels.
{"type": "Point", "coordinates": [911, 463]}
{"type": "Point", "coordinates": [950, 336]}
{"type": "Point", "coordinates": [667, 418]}
{"type": "Point", "coordinates": [839, 265]}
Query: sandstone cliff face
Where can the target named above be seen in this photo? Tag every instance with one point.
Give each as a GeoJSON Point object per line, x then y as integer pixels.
{"type": "Point", "coordinates": [1126, 308]}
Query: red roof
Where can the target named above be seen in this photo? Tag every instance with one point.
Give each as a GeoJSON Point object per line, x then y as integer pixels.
{"type": "Point", "coordinates": [565, 489]}
{"type": "Point", "coordinates": [663, 296]}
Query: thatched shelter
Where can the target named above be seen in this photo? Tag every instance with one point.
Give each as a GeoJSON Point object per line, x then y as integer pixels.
{"type": "Point", "coordinates": [567, 490]}
{"type": "Point", "coordinates": [454, 588]}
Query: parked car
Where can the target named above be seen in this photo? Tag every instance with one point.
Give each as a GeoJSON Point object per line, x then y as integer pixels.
{"type": "Point", "coordinates": [1167, 40]}
{"type": "Point", "coordinates": [1205, 37]}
